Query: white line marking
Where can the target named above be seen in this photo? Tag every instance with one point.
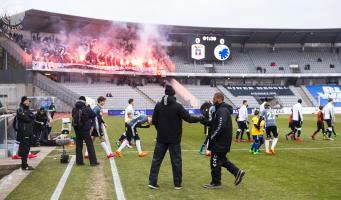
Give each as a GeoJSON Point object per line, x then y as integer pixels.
{"type": "Point", "coordinates": [282, 149]}
{"type": "Point", "coordinates": [57, 192]}
{"type": "Point", "coordinates": [114, 171]}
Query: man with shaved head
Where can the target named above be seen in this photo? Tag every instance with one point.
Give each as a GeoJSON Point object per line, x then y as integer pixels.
{"type": "Point", "coordinates": [220, 137]}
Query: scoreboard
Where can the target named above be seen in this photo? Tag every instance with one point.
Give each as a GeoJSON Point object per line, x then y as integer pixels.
{"type": "Point", "coordinates": [209, 48]}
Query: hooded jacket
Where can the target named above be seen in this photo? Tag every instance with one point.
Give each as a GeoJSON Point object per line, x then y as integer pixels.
{"type": "Point", "coordinates": [24, 122]}
{"type": "Point", "coordinates": [167, 118]}
{"type": "Point", "coordinates": [220, 134]}
{"type": "Point", "coordinates": [89, 115]}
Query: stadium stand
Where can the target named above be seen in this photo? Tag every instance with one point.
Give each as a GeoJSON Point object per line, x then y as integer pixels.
{"type": "Point", "coordinates": [202, 92]}
{"type": "Point", "coordinates": [120, 94]}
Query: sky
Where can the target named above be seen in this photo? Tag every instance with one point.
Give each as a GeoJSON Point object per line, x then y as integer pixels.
{"type": "Point", "coordinates": [294, 14]}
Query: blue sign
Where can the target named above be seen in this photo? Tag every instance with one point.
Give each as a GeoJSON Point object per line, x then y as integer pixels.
{"type": "Point", "coordinates": [323, 92]}
{"type": "Point", "coordinates": [150, 112]}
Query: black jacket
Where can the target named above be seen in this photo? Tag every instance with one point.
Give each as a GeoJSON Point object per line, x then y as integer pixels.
{"type": "Point", "coordinates": [220, 134]}
{"type": "Point", "coordinates": [167, 118]}
{"type": "Point", "coordinates": [24, 122]}
{"type": "Point", "coordinates": [89, 116]}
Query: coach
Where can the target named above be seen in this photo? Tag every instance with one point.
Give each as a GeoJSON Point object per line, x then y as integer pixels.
{"type": "Point", "coordinates": [220, 137]}
{"type": "Point", "coordinates": [167, 118]}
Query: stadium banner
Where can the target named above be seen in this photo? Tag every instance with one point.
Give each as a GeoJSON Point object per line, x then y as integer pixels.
{"type": "Point", "coordinates": [322, 92]}
{"type": "Point", "coordinates": [150, 112]}
{"type": "Point", "coordinates": [84, 68]}
{"type": "Point", "coordinates": [261, 91]}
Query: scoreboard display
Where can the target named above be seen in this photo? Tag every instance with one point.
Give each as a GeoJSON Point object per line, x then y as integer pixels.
{"type": "Point", "coordinates": [209, 48]}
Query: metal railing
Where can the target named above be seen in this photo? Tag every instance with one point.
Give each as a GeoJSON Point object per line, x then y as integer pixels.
{"type": "Point", "coordinates": [55, 89]}
{"type": "Point", "coordinates": [17, 52]}
{"type": "Point", "coordinates": [7, 134]}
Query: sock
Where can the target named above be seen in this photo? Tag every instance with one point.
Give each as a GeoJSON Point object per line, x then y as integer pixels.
{"type": "Point", "coordinates": [267, 143]}
{"type": "Point", "coordinates": [16, 147]}
{"type": "Point", "coordinates": [241, 135]}
{"type": "Point", "coordinates": [274, 143]}
{"type": "Point", "coordinates": [248, 135]}
{"type": "Point", "coordinates": [237, 134]}
{"type": "Point", "coordinates": [124, 144]}
{"type": "Point", "coordinates": [105, 148]}
{"type": "Point", "coordinates": [138, 145]}
{"type": "Point", "coordinates": [298, 133]}
{"type": "Point", "coordinates": [202, 148]}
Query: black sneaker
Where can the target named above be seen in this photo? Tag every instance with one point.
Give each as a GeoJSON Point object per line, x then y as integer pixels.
{"type": "Point", "coordinates": [212, 186]}
{"type": "Point", "coordinates": [80, 164]}
{"type": "Point", "coordinates": [178, 187]}
{"type": "Point", "coordinates": [155, 187]}
{"type": "Point", "coordinates": [239, 177]}
{"type": "Point", "coordinates": [28, 168]}
{"type": "Point", "coordinates": [94, 164]}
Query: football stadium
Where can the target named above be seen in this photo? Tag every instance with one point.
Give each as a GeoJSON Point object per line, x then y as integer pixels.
{"type": "Point", "coordinates": [170, 100]}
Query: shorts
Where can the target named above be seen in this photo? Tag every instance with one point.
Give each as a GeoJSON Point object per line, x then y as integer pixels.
{"type": "Point", "coordinates": [329, 122]}
{"type": "Point", "coordinates": [297, 124]}
{"type": "Point", "coordinates": [97, 133]}
{"type": "Point", "coordinates": [242, 125]}
{"type": "Point", "coordinates": [131, 133]}
{"type": "Point", "coordinates": [320, 125]}
{"type": "Point", "coordinates": [271, 129]}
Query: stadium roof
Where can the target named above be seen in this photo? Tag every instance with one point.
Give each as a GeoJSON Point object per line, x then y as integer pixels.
{"type": "Point", "coordinates": [42, 21]}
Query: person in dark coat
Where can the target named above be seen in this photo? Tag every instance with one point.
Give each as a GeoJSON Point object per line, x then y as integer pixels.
{"type": "Point", "coordinates": [167, 118]}
{"type": "Point", "coordinates": [220, 137]}
{"type": "Point", "coordinates": [82, 119]}
{"type": "Point", "coordinates": [24, 127]}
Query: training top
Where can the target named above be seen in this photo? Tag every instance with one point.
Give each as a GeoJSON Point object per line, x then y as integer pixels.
{"type": "Point", "coordinates": [129, 109]}
{"type": "Point", "coordinates": [242, 114]}
{"type": "Point", "coordinates": [261, 107]}
{"type": "Point", "coordinates": [255, 130]}
{"type": "Point", "coordinates": [297, 112]}
{"type": "Point", "coordinates": [319, 116]}
{"type": "Point", "coordinates": [329, 111]}
{"type": "Point", "coordinates": [139, 119]}
{"type": "Point", "coordinates": [270, 117]}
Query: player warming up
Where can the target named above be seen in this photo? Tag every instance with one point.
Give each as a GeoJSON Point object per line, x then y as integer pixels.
{"type": "Point", "coordinates": [131, 133]}
{"type": "Point", "coordinates": [319, 123]}
{"type": "Point", "coordinates": [97, 130]}
{"type": "Point", "coordinates": [329, 117]}
{"type": "Point", "coordinates": [269, 116]}
{"type": "Point", "coordinates": [243, 123]}
{"type": "Point", "coordinates": [297, 120]}
{"type": "Point", "coordinates": [257, 134]}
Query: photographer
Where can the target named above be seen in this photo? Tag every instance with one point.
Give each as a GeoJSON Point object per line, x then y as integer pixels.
{"type": "Point", "coordinates": [40, 127]}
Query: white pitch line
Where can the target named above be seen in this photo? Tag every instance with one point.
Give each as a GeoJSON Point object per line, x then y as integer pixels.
{"type": "Point", "coordinates": [57, 192]}
{"type": "Point", "coordinates": [114, 172]}
{"type": "Point", "coordinates": [284, 149]}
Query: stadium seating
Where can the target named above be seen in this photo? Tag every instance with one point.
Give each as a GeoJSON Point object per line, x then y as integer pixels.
{"type": "Point", "coordinates": [202, 92]}
{"type": "Point", "coordinates": [242, 62]}
{"type": "Point", "coordinates": [120, 94]}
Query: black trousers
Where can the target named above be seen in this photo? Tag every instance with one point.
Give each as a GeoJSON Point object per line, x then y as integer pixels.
{"type": "Point", "coordinates": [175, 156]}
{"type": "Point", "coordinates": [218, 160]}
{"type": "Point", "coordinates": [24, 150]}
{"type": "Point", "coordinates": [80, 137]}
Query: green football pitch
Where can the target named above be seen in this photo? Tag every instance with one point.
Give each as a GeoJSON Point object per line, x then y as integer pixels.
{"type": "Point", "coordinates": [306, 170]}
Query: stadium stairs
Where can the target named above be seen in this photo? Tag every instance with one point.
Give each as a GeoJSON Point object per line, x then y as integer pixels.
{"type": "Point", "coordinates": [145, 95]}
{"type": "Point", "coordinates": [223, 90]}
{"type": "Point", "coordinates": [16, 51]}
{"type": "Point", "coordinates": [308, 94]}
{"type": "Point", "coordinates": [183, 95]}
{"type": "Point", "coordinates": [54, 89]}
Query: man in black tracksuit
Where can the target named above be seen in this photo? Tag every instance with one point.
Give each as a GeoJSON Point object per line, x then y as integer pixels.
{"type": "Point", "coordinates": [220, 136]}
{"type": "Point", "coordinates": [86, 116]}
{"type": "Point", "coordinates": [24, 126]}
{"type": "Point", "coordinates": [167, 118]}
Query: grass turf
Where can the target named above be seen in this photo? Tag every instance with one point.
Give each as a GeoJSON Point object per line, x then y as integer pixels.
{"type": "Point", "coordinates": [293, 173]}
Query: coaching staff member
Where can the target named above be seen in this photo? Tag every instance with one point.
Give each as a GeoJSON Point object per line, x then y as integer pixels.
{"type": "Point", "coordinates": [24, 127]}
{"type": "Point", "coordinates": [82, 119]}
{"type": "Point", "coordinates": [220, 137]}
{"type": "Point", "coordinates": [167, 118]}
